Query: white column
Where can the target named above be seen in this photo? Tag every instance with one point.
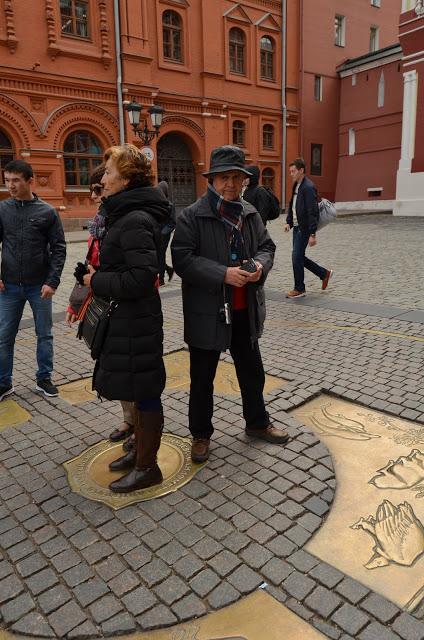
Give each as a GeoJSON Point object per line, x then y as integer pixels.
{"type": "Point", "coordinates": [409, 118]}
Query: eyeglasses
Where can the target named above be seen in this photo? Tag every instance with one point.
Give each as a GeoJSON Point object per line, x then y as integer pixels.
{"type": "Point", "coordinates": [97, 189]}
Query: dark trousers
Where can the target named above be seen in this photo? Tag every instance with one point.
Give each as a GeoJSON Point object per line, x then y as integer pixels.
{"type": "Point", "coordinates": [250, 375]}
{"type": "Point", "coordinates": [300, 261]}
{"type": "Point", "coordinates": [165, 238]}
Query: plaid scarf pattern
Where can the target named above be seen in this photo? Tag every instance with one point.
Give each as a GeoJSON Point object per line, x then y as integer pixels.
{"type": "Point", "coordinates": [230, 212]}
{"type": "Point", "coordinates": [96, 226]}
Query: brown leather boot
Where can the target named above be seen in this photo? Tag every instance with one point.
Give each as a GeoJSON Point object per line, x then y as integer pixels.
{"type": "Point", "coordinates": [124, 462]}
{"type": "Point", "coordinates": [146, 473]}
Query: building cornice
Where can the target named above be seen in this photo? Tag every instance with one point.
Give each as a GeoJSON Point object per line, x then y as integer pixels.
{"type": "Point", "coordinates": [370, 60]}
{"type": "Point", "coordinates": [55, 88]}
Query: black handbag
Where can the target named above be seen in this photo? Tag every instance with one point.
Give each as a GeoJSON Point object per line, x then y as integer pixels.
{"type": "Point", "coordinates": [94, 325]}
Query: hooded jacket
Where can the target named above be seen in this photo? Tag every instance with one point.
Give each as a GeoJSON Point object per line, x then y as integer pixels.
{"type": "Point", "coordinates": [130, 366]}
{"type": "Point", "coordinates": [33, 243]}
{"type": "Point", "coordinates": [257, 195]}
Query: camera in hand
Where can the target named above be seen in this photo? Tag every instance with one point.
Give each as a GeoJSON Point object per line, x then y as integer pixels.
{"type": "Point", "coordinates": [249, 265]}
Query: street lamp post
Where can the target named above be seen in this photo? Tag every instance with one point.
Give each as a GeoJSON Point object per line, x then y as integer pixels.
{"type": "Point", "coordinates": [134, 110]}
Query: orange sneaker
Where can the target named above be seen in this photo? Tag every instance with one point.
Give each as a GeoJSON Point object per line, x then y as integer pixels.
{"type": "Point", "coordinates": [295, 294]}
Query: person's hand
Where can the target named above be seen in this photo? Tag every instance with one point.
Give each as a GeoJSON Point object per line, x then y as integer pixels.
{"type": "Point", "coordinates": [47, 291]}
{"type": "Point", "coordinates": [2, 287]}
{"type": "Point", "coordinates": [256, 275]}
{"type": "Point", "coordinates": [236, 277]}
{"type": "Point", "coordinates": [70, 318]}
{"type": "Point", "coordinates": [286, 228]}
{"type": "Point", "coordinates": [312, 241]}
{"type": "Point", "coordinates": [87, 278]}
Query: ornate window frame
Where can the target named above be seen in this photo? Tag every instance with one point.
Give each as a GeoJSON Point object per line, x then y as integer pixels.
{"type": "Point", "coordinates": [182, 9]}
{"type": "Point", "coordinates": [96, 47]}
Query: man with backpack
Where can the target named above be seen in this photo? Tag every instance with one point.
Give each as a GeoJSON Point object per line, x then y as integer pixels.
{"type": "Point", "coordinates": [262, 198]}
{"type": "Point", "coordinates": [303, 218]}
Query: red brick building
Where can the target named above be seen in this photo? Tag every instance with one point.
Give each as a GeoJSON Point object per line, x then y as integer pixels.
{"type": "Point", "coordinates": [332, 32]}
{"type": "Point", "coordinates": [381, 128]}
{"type": "Point", "coordinates": [217, 67]}
{"type": "Point", "coordinates": [213, 65]}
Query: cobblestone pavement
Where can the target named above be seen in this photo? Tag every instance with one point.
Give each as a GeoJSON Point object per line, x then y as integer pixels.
{"type": "Point", "coordinates": [76, 569]}
{"type": "Point", "coordinates": [376, 258]}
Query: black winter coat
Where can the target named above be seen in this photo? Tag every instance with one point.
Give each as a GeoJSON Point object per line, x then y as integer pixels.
{"type": "Point", "coordinates": [257, 195]}
{"type": "Point", "coordinates": [130, 366]}
{"type": "Point", "coordinates": [306, 207]}
{"type": "Point", "coordinates": [33, 243]}
{"type": "Point", "coordinates": [200, 256]}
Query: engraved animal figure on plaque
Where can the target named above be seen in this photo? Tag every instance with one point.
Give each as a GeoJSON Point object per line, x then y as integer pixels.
{"type": "Point", "coordinates": [326, 421]}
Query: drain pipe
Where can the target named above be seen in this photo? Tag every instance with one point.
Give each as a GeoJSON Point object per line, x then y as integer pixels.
{"type": "Point", "coordinates": [283, 102]}
{"type": "Point", "coordinates": [119, 71]}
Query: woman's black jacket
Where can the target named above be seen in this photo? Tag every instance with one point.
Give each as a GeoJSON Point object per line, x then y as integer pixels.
{"type": "Point", "coordinates": [130, 366]}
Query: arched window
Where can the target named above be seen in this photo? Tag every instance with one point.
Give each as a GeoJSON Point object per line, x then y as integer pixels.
{"type": "Point", "coordinates": [74, 18]}
{"type": "Point", "coordinates": [268, 136]}
{"type": "Point", "coordinates": [268, 178]}
{"type": "Point", "coordinates": [239, 133]}
{"type": "Point", "coordinates": [82, 153]}
{"type": "Point", "coordinates": [6, 153]}
{"type": "Point", "coordinates": [237, 51]}
{"type": "Point", "coordinates": [267, 58]}
{"type": "Point", "coordinates": [172, 29]}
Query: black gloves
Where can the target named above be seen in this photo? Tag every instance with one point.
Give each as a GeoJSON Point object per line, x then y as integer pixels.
{"type": "Point", "coordinates": [80, 271]}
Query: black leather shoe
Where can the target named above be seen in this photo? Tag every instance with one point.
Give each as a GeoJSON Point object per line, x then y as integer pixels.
{"type": "Point", "coordinates": [124, 462]}
{"type": "Point", "coordinates": [137, 479]}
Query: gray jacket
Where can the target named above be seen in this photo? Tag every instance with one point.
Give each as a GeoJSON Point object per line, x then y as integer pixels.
{"type": "Point", "coordinates": [201, 255]}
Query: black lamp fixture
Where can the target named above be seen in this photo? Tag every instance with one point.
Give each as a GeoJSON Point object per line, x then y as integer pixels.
{"type": "Point", "coordinates": [134, 110]}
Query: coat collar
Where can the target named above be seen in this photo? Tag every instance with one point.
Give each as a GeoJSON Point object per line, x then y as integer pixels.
{"type": "Point", "coordinates": [203, 209]}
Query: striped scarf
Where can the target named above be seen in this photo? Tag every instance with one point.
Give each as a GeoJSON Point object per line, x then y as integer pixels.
{"type": "Point", "coordinates": [230, 212]}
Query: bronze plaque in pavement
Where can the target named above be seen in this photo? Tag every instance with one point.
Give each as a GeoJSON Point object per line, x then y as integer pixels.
{"type": "Point", "coordinates": [375, 530]}
{"type": "Point", "coordinates": [89, 474]}
{"type": "Point", "coordinates": [11, 414]}
{"type": "Point", "coordinates": [177, 366]}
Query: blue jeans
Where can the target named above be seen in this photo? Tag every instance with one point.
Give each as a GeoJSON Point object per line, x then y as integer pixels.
{"type": "Point", "coordinates": [12, 302]}
{"type": "Point", "coordinates": [300, 261]}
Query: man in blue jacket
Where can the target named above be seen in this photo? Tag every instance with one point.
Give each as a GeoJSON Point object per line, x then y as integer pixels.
{"type": "Point", "coordinates": [33, 255]}
{"type": "Point", "coordinates": [302, 217]}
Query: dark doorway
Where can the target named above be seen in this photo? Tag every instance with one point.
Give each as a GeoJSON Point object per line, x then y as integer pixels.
{"type": "Point", "coordinates": [176, 167]}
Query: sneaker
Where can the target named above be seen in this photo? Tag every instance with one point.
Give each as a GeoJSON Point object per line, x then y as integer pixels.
{"type": "Point", "coordinates": [47, 388]}
{"type": "Point", "coordinates": [270, 434]}
{"type": "Point", "coordinates": [6, 390]}
{"type": "Point", "coordinates": [200, 449]}
{"type": "Point", "coordinates": [295, 294]}
{"type": "Point", "coordinates": [326, 279]}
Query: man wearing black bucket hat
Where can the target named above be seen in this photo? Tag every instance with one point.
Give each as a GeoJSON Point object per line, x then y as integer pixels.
{"type": "Point", "coordinates": [223, 253]}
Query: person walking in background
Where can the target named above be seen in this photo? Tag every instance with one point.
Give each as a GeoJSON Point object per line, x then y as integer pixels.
{"type": "Point", "coordinates": [97, 229]}
{"type": "Point", "coordinates": [223, 253]}
{"type": "Point", "coordinates": [302, 217]}
{"type": "Point", "coordinates": [32, 260]}
{"type": "Point", "coordinates": [166, 234]}
{"type": "Point", "coordinates": [262, 198]}
{"type": "Point", "coordinates": [130, 366]}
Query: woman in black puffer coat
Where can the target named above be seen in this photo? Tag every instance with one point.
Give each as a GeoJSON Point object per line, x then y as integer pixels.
{"type": "Point", "coordinates": [130, 366]}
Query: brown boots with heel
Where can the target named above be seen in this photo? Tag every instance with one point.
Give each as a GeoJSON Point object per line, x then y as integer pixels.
{"type": "Point", "coordinates": [142, 459]}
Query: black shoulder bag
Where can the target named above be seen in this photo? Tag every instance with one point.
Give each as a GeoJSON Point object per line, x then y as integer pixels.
{"type": "Point", "coordinates": [94, 325]}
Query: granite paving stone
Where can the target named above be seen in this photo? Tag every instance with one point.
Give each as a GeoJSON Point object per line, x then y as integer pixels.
{"type": "Point", "coordinates": [350, 619]}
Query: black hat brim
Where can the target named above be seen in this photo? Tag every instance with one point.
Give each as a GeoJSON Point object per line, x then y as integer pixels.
{"type": "Point", "coordinates": [226, 167]}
